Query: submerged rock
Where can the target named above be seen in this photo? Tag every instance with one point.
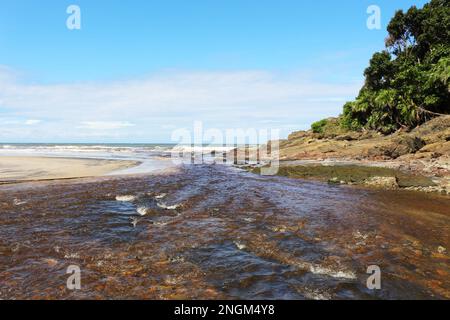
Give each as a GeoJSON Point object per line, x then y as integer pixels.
{"type": "Point", "coordinates": [334, 180]}
{"type": "Point", "coordinates": [396, 147]}
{"type": "Point", "coordinates": [51, 262]}
{"type": "Point", "coordinates": [389, 183]}
{"type": "Point", "coordinates": [441, 249]}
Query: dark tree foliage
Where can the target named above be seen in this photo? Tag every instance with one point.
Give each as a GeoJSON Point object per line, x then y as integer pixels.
{"type": "Point", "coordinates": [408, 83]}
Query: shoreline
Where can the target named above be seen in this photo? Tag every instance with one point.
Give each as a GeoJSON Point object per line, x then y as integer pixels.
{"type": "Point", "coordinates": [420, 152]}
{"type": "Point", "coordinates": [387, 175]}
{"type": "Point", "coordinates": [21, 169]}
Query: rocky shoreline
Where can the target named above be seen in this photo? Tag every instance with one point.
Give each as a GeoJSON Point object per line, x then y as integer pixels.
{"type": "Point", "coordinates": [416, 160]}
{"type": "Point", "coordinates": [371, 175]}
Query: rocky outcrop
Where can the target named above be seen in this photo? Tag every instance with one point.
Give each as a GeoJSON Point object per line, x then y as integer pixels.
{"type": "Point", "coordinates": [425, 150]}
{"type": "Point", "coordinates": [398, 147]}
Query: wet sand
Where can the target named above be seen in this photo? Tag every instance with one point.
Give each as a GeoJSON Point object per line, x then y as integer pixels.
{"type": "Point", "coordinates": [212, 232]}
{"type": "Point", "coordinates": [46, 168]}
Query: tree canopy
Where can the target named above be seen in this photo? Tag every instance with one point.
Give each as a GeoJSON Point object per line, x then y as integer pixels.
{"type": "Point", "coordinates": [407, 83]}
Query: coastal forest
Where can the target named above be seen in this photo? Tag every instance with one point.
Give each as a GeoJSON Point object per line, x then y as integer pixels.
{"type": "Point", "coordinates": [407, 83]}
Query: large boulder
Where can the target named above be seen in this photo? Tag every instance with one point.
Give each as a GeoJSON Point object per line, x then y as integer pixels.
{"type": "Point", "coordinates": [398, 147]}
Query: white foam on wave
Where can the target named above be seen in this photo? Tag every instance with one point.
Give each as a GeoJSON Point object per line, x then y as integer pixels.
{"type": "Point", "coordinates": [340, 274]}
{"type": "Point", "coordinates": [18, 202]}
{"type": "Point", "coordinates": [134, 222]}
{"type": "Point", "coordinates": [126, 198]}
{"type": "Point", "coordinates": [316, 294]}
{"type": "Point", "coordinates": [142, 211]}
{"type": "Point", "coordinates": [240, 245]}
{"type": "Point", "coordinates": [72, 255]}
{"type": "Point", "coordinates": [202, 149]}
{"type": "Point", "coordinates": [325, 271]}
{"type": "Point", "coordinates": [166, 207]}
{"type": "Point", "coordinates": [85, 148]}
{"type": "Point", "coordinates": [161, 196]}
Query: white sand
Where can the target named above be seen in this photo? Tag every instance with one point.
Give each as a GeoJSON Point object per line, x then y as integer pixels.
{"type": "Point", "coordinates": [41, 168]}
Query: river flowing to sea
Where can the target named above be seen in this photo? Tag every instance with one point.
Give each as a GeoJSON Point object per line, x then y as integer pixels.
{"type": "Point", "coordinates": [216, 232]}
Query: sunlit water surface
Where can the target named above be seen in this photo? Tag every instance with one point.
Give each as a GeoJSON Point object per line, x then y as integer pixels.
{"type": "Point", "coordinates": [215, 232]}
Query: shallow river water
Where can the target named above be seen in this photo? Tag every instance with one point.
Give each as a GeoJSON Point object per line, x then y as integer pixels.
{"type": "Point", "coordinates": [220, 233]}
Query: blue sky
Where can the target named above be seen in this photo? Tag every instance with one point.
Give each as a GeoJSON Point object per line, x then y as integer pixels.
{"type": "Point", "coordinates": [137, 70]}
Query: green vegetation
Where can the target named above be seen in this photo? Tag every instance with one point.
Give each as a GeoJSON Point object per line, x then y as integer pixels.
{"type": "Point", "coordinates": [328, 127]}
{"type": "Point", "coordinates": [407, 84]}
{"type": "Point", "coordinates": [317, 127]}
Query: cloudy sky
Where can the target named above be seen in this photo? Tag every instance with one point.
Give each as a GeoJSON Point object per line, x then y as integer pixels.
{"type": "Point", "coordinates": [138, 70]}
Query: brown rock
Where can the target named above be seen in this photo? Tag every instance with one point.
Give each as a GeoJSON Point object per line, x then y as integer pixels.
{"type": "Point", "coordinates": [389, 183]}
{"type": "Point", "coordinates": [51, 262]}
{"type": "Point", "coordinates": [442, 273]}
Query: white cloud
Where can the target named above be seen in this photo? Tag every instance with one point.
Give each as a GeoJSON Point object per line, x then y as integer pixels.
{"type": "Point", "coordinates": [32, 122]}
{"type": "Point", "coordinates": [151, 107]}
{"type": "Point", "coordinates": [105, 125]}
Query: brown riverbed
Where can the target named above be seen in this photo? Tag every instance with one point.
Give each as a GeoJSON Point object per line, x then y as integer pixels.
{"type": "Point", "coordinates": [232, 235]}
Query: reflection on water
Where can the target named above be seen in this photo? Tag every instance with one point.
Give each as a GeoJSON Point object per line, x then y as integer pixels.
{"type": "Point", "coordinates": [214, 232]}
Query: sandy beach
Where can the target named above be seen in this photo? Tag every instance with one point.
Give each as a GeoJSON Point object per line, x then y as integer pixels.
{"type": "Point", "coordinates": [46, 168]}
